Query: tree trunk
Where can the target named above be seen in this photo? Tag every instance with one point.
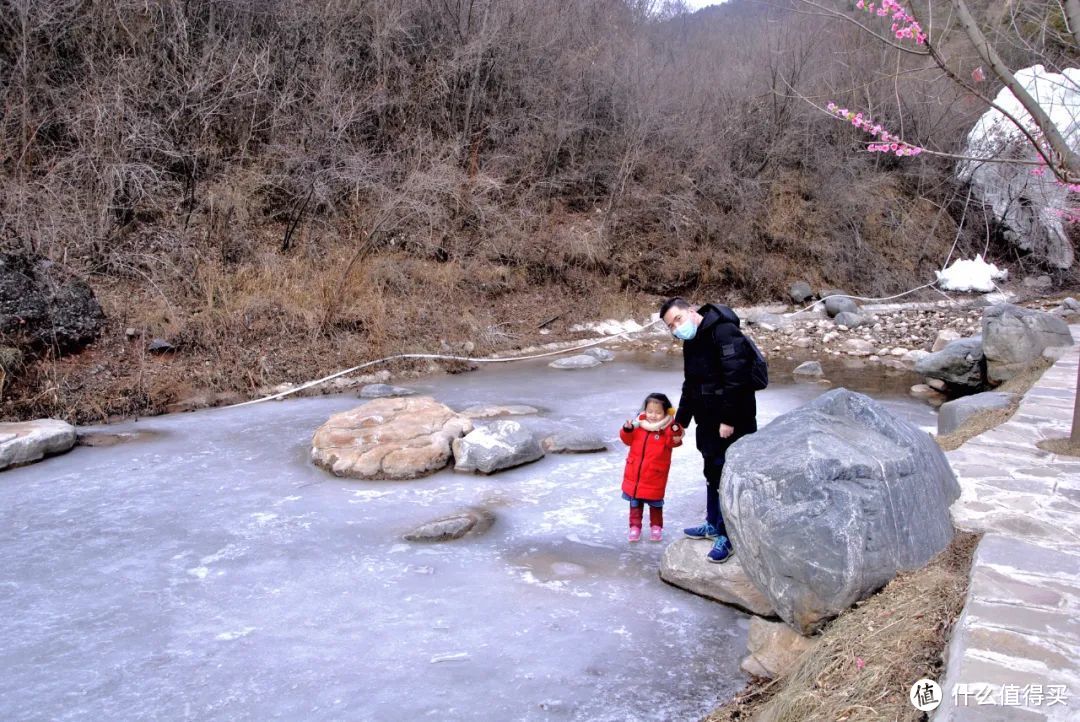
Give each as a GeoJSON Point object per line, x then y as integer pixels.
{"type": "Point", "coordinates": [1072, 14]}
{"type": "Point", "coordinates": [1068, 160]}
{"type": "Point", "coordinates": [1074, 435]}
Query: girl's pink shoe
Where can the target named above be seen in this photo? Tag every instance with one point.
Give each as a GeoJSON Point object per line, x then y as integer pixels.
{"type": "Point", "coordinates": [656, 533]}
{"type": "Point", "coordinates": [635, 534]}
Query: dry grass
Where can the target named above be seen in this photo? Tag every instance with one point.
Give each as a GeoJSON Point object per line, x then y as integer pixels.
{"type": "Point", "coordinates": [241, 328]}
{"type": "Point", "coordinates": [869, 657]}
{"type": "Point", "coordinates": [1064, 447]}
{"type": "Point", "coordinates": [1019, 385]}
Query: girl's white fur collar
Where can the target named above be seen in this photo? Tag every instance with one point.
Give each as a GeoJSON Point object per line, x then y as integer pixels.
{"type": "Point", "coordinates": [649, 426]}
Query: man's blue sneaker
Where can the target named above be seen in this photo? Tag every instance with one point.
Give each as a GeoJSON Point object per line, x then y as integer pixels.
{"type": "Point", "coordinates": [705, 531]}
{"type": "Point", "coordinates": [721, 550]}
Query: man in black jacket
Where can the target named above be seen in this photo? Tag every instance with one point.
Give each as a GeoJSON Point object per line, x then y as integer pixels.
{"type": "Point", "coordinates": [717, 394]}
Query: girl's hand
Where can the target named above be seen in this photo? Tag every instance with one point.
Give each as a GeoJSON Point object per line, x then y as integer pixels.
{"type": "Point", "coordinates": [628, 425]}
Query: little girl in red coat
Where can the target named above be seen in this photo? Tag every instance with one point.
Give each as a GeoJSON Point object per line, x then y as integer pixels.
{"type": "Point", "coordinates": [651, 437]}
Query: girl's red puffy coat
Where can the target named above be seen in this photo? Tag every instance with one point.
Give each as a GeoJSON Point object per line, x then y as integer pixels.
{"type": "Point", "coordinates": [649, 460]}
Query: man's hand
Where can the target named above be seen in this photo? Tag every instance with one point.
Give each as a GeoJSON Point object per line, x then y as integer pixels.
{"type": "Point", "coordinates": [726, 431]}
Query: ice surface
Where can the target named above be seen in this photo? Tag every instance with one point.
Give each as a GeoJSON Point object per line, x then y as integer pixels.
{"type": "Point", "coordinates": [210, 571]}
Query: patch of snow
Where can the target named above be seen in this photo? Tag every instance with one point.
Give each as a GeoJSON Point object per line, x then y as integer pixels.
{"type": "Point", "coordinates": [610, 327]}
{"type": "Point", "coordinates": [976, 275]}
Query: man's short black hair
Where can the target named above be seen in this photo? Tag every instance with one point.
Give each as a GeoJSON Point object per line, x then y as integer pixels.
{"type": "Point", "coordinates": [671, 303]}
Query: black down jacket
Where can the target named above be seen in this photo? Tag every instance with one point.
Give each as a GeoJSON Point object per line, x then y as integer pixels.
{"type": "Point", "coordinates": [716, 375]}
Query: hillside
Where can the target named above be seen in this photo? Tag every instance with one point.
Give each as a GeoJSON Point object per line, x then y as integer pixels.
{"type": "Point", "coordinates": [281, 190]}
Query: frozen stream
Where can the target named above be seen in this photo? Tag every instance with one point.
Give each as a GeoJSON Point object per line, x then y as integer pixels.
{"type": "Point", "coordinates": [210, 571]}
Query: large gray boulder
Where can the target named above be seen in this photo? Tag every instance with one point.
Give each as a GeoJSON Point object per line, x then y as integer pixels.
{"type": "Point", "coordinates": [685, 565]}
{"type": "Point", "coordinates": [1068, 307]}
{"type": "Point", "coordinates": [829, 501]}
{"type": "Point", "coordinates": [42, 305]}
{"type": "Point", "coordinates": [1014, 337]}
{"type": "Point", "coordinates": [836, 305]}
{"type": "Point", "coordinates": [766, 319]}
{"type": "Point", "coordinates": [960, 364]}
{"type": "Point", "coordinates": [851, 320]}
{"type": "Point", "coordinates": [953, 414]}
{"type": "Point", "coordinates": [800, 292]}
{"type": "Point", "coordinates": [494, 447]}
{"type": "Point", "coordinates": [22, 442]}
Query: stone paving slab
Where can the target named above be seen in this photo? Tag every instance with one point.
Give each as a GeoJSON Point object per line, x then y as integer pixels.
{"type": "Point", "coordinates": [1015, 651]}
{"type": "Point", "coordinates": [1017, 642]}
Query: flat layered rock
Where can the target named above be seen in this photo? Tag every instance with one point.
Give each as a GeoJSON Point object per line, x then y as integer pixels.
{"type": "Point", "coordinates": [453, 526]}
{"type": "Point", "coordinates": [684, 565]}
{"type": "Point", "coordinates": [774, 648]}
{"type": "Point", "coordinates": [22, 442]}
{"type": "Point", "coordinates": [491, 411]}
{"type": "Point", "coordinates": [573, 442]}
{"type": "Point", "coordinates": [384, 391]}
{"type": "Point", "coordinates": [395, 438]}
{"type": "Point", "coordinates": [601, 354]}
{"type": "Point", "coordinates": [583, 361]}
{"type": "Point", "coordinates": [953, 414]}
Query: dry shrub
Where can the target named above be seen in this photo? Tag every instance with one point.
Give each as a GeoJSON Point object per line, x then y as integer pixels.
{"type": "Point", "coordinates": [1064, 447]}
{"type": "Point", "coordinates": [337, 175]}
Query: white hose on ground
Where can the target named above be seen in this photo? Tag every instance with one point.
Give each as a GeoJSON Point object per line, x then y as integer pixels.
{"type": "Point", "coordinates": [444, 357]}
{"type": "Point", "coordinates": [864, 298]}
{"type": "Point", "coordinates": [558, 352]}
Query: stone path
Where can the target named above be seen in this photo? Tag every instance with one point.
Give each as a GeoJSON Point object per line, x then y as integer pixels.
{"type": "Point", "coordinates": [1015, 651]}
